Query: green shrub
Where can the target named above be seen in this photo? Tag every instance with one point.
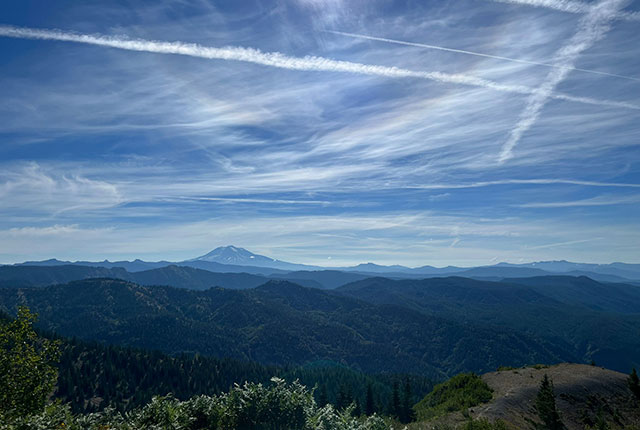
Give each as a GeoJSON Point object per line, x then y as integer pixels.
{"type": "Point", "coordinates": [456, 394]}
{"type": "Point", "coordinates": [279, 406]}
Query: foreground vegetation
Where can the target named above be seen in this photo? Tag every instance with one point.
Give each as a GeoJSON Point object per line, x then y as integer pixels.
{"type": "Point", "coordinates": [28, 375]}
{"type": "Point", "coordinates": [27, 367]}
{"type": "Point", "coordinates": [251, 406]}
{"type": "Point", "coordinates": [457, 394]}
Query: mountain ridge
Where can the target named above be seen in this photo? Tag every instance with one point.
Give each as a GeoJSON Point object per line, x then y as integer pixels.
{"type": "Point", "coordinates": [278, 324]}
{"type": "Point", "coordinates": [232, 259]}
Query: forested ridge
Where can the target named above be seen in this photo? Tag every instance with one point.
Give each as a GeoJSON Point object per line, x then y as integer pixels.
{"type": "Point", "coordinates": [279, 323]}
{"type": "Point", "coordinates": [92, 376]}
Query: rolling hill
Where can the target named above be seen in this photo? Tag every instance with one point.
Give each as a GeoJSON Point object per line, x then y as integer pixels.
{"type": "Point", "coordinates": [279, 323]}
{"type": "Point", "coordinates": [594, 321]}
{"type": "Point", "coordinates": [582, 393]}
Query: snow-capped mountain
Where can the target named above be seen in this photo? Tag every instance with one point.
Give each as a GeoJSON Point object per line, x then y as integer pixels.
{"type": "Point", "coordinates": [236, 256]}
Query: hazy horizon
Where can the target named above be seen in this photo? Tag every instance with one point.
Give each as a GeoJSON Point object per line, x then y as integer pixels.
{"type": "Point", "coordinates": [327, 264]}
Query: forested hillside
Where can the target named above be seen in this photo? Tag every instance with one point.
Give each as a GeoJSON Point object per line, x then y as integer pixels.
{"type": "Point", "coordinates": [202, 393]}
{"type": "Point", "coordinates": [92, 376]}
{"type": "Point", "coordinates": [279, 323]}
{"type": "Point", "coordinates": [171, 275]}
{"type": "Point", "coordinates": [591, 320]}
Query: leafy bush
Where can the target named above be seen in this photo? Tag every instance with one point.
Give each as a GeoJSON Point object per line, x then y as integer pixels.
{"type": "Point", "coordinates": [278, 406]}
{"type": "Point", "coordinates": [457, 394]}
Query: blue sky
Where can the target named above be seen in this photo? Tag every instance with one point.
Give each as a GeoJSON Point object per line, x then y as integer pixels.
{"type": "Point", "coordinates": [321, 131]}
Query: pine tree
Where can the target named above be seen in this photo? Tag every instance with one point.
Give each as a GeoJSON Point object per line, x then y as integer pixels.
{"type": "Point", "coordinates": [634, 383]}
{"type": "Point", "coordinates": [370, 406]}
{"type": "Point", "coordinates": [406, 411]}
{"type": "Point", "coordinates": [28, 370]}
{"type": "Point", "coordinates": [344, 397]}
{"type": "Point", "coordinates": [323, 399]}
{"type": "Point", "coordinates": [357, 410]}
{"type": "Point", "coordinates": [394, 406]}
{"type": "Point", "coordinates": [546, 406]}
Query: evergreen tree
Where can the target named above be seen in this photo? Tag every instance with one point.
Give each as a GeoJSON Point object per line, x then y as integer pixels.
{"type": "Point", "coordinates": [27, 366]}
{"type": "Point", "coordinates": [357, 410]}
{"type": "Point", "coordinates": [406, 411]}
{"type": "Point", "coordinates": [370, 406]}
{"type": "Point", "coordinates": [345, 397]}
{"type": "Point", "coordinates": [323, 399]}
{"type": "Point", "coordinates": [394, 406]}
{"type": "Point", "coordinates": [546, 406]}
{"type": "Point", "coordinates": [634, 383]}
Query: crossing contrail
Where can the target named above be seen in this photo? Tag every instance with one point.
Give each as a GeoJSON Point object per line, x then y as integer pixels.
{"type": "Point", "coordinates": [282, 61]}
{"type": "Point", "coordinates": [477, 54]}
{"type": "Point", "coordinates": [592, 27]}
{"type": "Point", "coordinates": [570, 6]}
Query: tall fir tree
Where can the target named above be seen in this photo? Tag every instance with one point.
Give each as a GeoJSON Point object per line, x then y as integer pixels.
{"type": "Point", "coordinates": [546, 406]}
{"type": "Point", "coordinates": [323, 398]}
{"type": "Point", "coordinates": [634, 383]}
{"type": "Point", "coordinates": [28, 370]}
{"type": "Point", "coordinates": [370, 405]}
{"type": "Point", "coordinates": [357, 410]}
{"type": "Point", "coordinates": [345, 398]}
{"type": "Point", "coordinates": [394, 406]}
{"type": "Point", "coordinates": [406, 409]}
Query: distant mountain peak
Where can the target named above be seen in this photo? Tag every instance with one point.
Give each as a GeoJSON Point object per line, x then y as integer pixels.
{"type": "Point", "coordinates": [234, 255]}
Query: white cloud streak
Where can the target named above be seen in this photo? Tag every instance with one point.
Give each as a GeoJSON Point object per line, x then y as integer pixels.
{"type": "Point", "coordinates": [571, 242]}
{"type": "Point", "coordinates": [282, 61]}
{"type": "Point", "coordinates": [570, 7]}
{"type": "Point", "coordinates": [595, 201]}
{"type": "Point", "coordinates": [250, 200]}
{"type": "Point", "coordinates": [592, 27]}
{"type": "Point", "coordinates": [477, 54]}
{"type": "Point", "coordinates": [482, 184]}
{"type": "Point", "coordinates": [34, 187]}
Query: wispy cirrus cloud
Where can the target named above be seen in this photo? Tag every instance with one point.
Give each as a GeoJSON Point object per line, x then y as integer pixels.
{"type": "Point", "coordinates": [569, 6]}
{"type": "Point", "coordinates": [594, 201]}
{"type": "Point", "coordinates": [477, 54]}
{"type": "Point", "coordinates": [568, 243]}
{"type": "Point", "coordinates": [30, 186]}
{"type": "Point", "coordinates": [222, 152]}
{"type": "Point", "coordinates": [541, 181]}
{"type": "Point", "coordinates": [279, 60]}
{"type": "Point", "coordinates": [592, 27]}
{"type": "Point", "coordinates": [253, 200]}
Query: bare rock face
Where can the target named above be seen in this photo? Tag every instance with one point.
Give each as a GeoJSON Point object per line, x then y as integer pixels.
{"type": "Point", "coordinates": [582, 392]}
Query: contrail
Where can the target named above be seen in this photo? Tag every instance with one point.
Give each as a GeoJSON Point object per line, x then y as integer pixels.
{"type": "Point", "coordinates": [477, 54]}
{"type": "Point", "coordinates": [482, 184]}
{"type": "Point", "coordinates": [279, 60]}
{"type": "Point", "coordinates": [570, 7]}
{"type": "Point", "coordinates": [592, 27]}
